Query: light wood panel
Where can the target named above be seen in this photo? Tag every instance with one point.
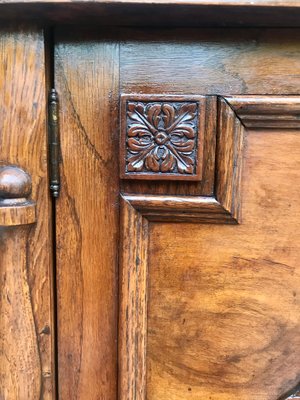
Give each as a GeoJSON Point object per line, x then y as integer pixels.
{"type": "Point", "coordinates": [87, 216]}
{"type": "Point", "coordinates": [23, 139]}
{"type": "Point", "coordinates": [210, 61]}
{"type": "Point", "coordinates": [223, 314]}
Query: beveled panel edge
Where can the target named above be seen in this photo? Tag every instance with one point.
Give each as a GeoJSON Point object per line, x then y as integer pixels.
{"type": "Point", "coordinates": [266, 112]}
{"type": "Point", "coordinates": [180, 208]}
{"type": "Point", "coordinates": [132, 333]}
{"type": "Point", "coordinates": [138, 210]}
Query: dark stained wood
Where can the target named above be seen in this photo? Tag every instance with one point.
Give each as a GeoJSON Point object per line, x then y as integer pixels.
{"type": "Point", "coordinates": [15, 208]}
{"type": "Point", "coordinates": [267, 111]}
{"type": "Point", "coordinates": [162, 137]}
{"type": "Point", "coordinates": [155, 13]}
{"type": "Point", "coordinates": [87, 79]}
{"type": "Point", "coordinates": [237, 3]}
{"type": "Point", "coordinates": [223, 308]}
{"type": "Point", "coordinates": [206, 186]}
{"type": "Point", "coordinates": [14, 183]}
{"type": "Point", "coordinates": [27, 351]}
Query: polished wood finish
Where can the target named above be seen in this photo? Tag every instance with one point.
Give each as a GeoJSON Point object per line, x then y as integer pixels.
{"type": "Point", "coordinates": [15, 187]}
{"type": "Point", "coordinates": [226, 208]}
{"type": "Point", "coordinates": [87, 79]}
{"type": "Point", "coordinates": [19, 354]}
{"type": "Point", "coordinates": [14, 183]}
{"type": "Point", "coordinates": [27, 351]}
{"type": "Point", "coordinates": [88, 72]}
{"type": "Point", "coordinates": [223, 315]}
{"type": "Point", "coordinates": [210, 61]}
{"type": "Point", "coordinates": [267, 111]}
{"type": "Point", "coordinates": [133, 308]}
{"type": "Point", "coordinates": [208, 307]}
{"type": "Point", "coordinates": [162, 137]}
{"type": "Point", "coordinates": [230, 137]}
{"type": "Point", "coordinates": [205, 187]}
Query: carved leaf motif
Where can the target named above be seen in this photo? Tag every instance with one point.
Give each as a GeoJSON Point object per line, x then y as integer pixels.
{"type": "Point", "coordinates": [161, 137]}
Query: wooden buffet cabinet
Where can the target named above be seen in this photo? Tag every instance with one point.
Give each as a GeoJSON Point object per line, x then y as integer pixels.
{"type": "Point", "coordinates": [149, 200]}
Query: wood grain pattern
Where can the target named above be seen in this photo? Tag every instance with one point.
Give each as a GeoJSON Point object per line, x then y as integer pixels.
{"type": "Point", "coordinates": [225, 209]}
{"type": "Point", "coordinates": [87, 216]}
{"type": "Point", "coordinates": [26, 256]}
{"type": "Point", "coordinates": [135, 212]}
{"type": "Point", "coordinates": [20, 376]}
{"type": "Point", "coordinates": [223, 317]}
{"type": "Point", "coordinates": [133, 308]}
{"type": "Point", "coordinates": [229, 159]}
{"type": "Point", "coordinates": [210, 61]}
{"type": "Point", "coordinates": [19, 354]}
{"type": "Point", "coordinates": [267, 111]}
{"type": "Point", "coordinates": [181, 209]}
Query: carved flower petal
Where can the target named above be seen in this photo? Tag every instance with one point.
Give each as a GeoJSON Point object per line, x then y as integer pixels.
{"type": "Point", "coordinates": [151, 162]}
{"type": "Point", "coordinates": [169, 114]}
{"type": "Point", "coordinates": [138, 130]}
{"type": "Point", "coordinates": [168, 163]}
{"type": "Point", "coordinates": [183, 145]}
{"type": "Point", "coordinates": [153, 114]}
{"type": "Point", "coordinates": [138, 145]}
{"type": "Point", "coordinates": [135, 111]}
{"type": "Point", "coordinates": [185, 129]}
{"type": "Point", "coordinates": [187, 111]}
{"type": "Point", "coordinates": [186, 166]}
{"type": "Point", "coordinates": [135, 163]}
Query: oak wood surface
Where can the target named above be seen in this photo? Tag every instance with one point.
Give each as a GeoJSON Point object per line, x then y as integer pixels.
{"type": "Point", "coordinates": [205, 186]}
{"type": "Point", "coordinates": [223, 317]}
{"type": "Point", "coordinates": [210, 61]}
{"type": "Point", "coordinates": [87, 78]}
{"type": "Point", "coordinates": [87, 70]}
{"type": "Point", "coordinates": [133, 311]}
{"type": "Point", "coordinates": [267, 111]}
{"type": "Point", "coordinates": [19, 354]}
{"type": "Point", "coordinates": [230, 140]}
{"type": "Point", "coordinates": [26, 256]}
{"type": "Point", "coordinates": [161, 118]}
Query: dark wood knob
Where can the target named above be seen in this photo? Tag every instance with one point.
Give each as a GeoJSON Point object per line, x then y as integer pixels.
{"type": "Point", "coordinates": [15, 183]}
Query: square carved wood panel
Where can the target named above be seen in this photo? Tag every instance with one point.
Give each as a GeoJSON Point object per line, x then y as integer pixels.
{"type": "Point", "coordinates": [162, 137]}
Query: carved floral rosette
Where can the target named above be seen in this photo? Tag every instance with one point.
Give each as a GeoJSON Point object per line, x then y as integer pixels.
{"type": "Point", "coordinates": [161, 139]}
